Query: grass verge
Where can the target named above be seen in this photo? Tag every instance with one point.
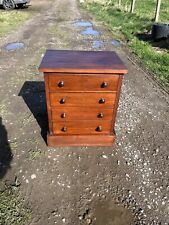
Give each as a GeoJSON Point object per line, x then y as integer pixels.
{"type": "Point", "coordinates": [125, 25]}
{"type": "Point", "coordinates": [9, 20]}
{"type": "Point", "coordinates": [12, 208]}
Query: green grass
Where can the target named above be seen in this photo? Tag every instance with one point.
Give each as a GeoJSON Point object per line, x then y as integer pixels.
{"type": "Point", "coordinates": [126, 26]}
{"type": "Point", "coordinates": [9, 20]}
{"type": "Point", "coordinates": [12, 208]}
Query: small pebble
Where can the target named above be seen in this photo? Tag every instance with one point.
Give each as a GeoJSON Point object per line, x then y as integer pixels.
{"type": "Point", "coordinates": [33, 176]}
{"type": "Point", "coordinates": [80, 217]}
{"type": "Point", "coordinates": [63, 220]}
{"type": "Point", "coordinates": [27, 181]}
{"type": "Point", "coordinates": [88, 221]}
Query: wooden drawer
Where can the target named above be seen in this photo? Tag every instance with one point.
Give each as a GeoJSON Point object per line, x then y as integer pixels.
{"type": "Point", "coordinates": [81, 127]}
{"type": "Point", "coordinates": [72, 83]}
{"type": "Point", "coordinates": [79, 113]}
{"type": "Point", "coordinates": [83, 99]}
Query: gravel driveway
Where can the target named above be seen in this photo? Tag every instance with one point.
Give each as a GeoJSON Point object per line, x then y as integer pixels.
{"type": "Point", "coordinates": [127, 183]}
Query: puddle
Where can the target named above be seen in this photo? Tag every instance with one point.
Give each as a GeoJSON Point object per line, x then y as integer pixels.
{"type": "Point", "coordinates": [14, 46]}
{"type": "Point", "coordinates": [116, 43]}
{"type": "Point", "coordinates": [107, 212]}
{"type": "Point", "coordinates": [82, 24]}
{"type": "Point", "coordinates": [97, 44]}
{"type": "Point", "coordinates": [90, 31]}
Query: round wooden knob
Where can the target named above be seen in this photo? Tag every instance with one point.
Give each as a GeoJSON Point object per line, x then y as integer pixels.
{"type": "Point", "coordinates": [99, 129]}
{"type": "Point", "coordinates": [63, 115]}
{"type": "Point", "coordinates": [100, 115]}
{"type": "Point", "coordinates": [101, 101]}
{"type": "Point", "coordinates": [62, 101]}
{"type": "Point", "coordinates": [104, 85]}
{"type": "Point", "coordinates": [64, 129]}
{"type": "Point", "coordinates": [61, 84]}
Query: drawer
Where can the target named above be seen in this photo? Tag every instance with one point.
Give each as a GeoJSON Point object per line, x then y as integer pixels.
{"type": "Point", "coordinates": [81, 127]}
{"type": "Point", "coordinates": [68, 83]}
{"type": "Point", "coordinates": [100, 100]}
{"type": "Point", "coordinates": [79, 113]}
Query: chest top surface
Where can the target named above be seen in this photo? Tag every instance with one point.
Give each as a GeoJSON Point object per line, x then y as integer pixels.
{"type": "Point", "coordinates": [68, 61]}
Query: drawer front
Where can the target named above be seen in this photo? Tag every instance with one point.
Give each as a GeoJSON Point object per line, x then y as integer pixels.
{"type": "Point", "coordinates": [81, 127]}
{"type": "Point", "coordinates": [100, 100]}
{"type": "Point", "coordinates": [68, 83]}
{"type": "Point", "coordinates": [79, 113]}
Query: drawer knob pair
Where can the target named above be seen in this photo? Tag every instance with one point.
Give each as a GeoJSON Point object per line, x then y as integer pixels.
{"type": "Point", "coordinates": [99, 129]}
{"type": "Point", "coordinates": [104, 85]}
{"type": "Point", "coordinates": [61, 84]}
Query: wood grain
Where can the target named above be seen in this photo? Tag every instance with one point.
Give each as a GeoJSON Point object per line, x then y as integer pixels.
{"type": "Point", "coordinates": [79, 83]}
{"type": "Point", "coordinates": [82, 99]}
{"type": "Point", "coordinates": [81, 127]}
{"type": "Point", "coordinates": [68, 61]}
{"type": "Point", "coordinates": [81, 113]}
{"type": "Point", "coordinates": [80, 140]}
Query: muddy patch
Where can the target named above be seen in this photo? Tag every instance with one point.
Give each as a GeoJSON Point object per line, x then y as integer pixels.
{"type": "Point", "coordinates": [116, 43]}
{"type": "Point", "coordinates": [109, 213]}
{"type": "Point", "coordinates": [106, 211]}
{"type": "Point", "coordinates": [14, 46]}
{"type": "Point", "coordinates": [90, 31]}
{"type": "Point", "coordinates": [82, 24]}
{"type": "Point", "coordinates": [97, 44]}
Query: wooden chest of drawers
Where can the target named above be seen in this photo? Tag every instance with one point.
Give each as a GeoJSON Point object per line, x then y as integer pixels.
{"type": "Point", "coordinates": [82, 92]}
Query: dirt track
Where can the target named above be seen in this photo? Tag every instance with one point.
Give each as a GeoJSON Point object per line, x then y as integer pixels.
{"type": "Point", "coordinates": [76, 185]}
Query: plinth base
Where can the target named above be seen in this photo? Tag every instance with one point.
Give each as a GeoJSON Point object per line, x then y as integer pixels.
{"type": "Point", "coordinates": [80, 140]}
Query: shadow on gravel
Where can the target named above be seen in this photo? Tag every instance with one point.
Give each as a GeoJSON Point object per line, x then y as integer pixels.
{"type": "Point", "coordinates": [5, 151]}
{"type": "Point", "coordinates": [33, 93]}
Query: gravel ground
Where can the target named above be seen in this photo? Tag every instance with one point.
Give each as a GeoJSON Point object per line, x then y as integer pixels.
{"type": "Point", "coordinates": [119, 185]}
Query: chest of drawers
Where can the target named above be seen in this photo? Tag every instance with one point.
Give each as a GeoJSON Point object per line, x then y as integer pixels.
{"type": "Point", "coordinates": [82, 93]}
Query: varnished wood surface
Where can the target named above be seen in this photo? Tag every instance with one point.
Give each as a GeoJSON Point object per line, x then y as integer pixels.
{"type": "Point", "coordinates": [81, 113]}
{"type": "Point", "coordinates": [117, 101]}
{"type": "Point", "coordinates": [68, 61]}
{"type": "Point", "coordinates": [72, 83]}
{"type": "Point", "coordinates": [80, 140]}
{"type": "Point", "coordinates": [82, 99]}
{"type": "Point", "coordinates": [81, 127]}
{"type": "Point", "coordinates": [75, 82]}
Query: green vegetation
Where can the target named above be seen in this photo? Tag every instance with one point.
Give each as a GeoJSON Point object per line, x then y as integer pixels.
{"type": "Point", "coordinates": [12, 208]}
{"type": "Point", "coordinates": [9, 20]}
{"type": "Point", "coordinates": [127, 26]}
{"type": "Point", "coordinates": [33, 154]}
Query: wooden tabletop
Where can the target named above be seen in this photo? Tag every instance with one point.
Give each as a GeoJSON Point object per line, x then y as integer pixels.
{"type": "Point", "coordinates": [69, 61]}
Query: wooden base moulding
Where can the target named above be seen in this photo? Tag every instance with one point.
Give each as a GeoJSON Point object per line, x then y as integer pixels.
{"type": "Point", "coordinates": [80, 140]}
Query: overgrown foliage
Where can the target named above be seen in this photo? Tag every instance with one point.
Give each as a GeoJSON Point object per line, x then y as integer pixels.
{"type": "Point", "coordinates": [143, 8]}
{"type": "Point", "coordinates": [130, 27]}
{"type": "Point", "coordinates": [12, 208]}
{"type": "Point", "coordinates": [10, 19]}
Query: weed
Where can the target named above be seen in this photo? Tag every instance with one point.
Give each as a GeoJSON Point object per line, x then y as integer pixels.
{"type": "Point", "coordinates": [33, 154]}
{"type": "Point", "coordinates": [11, 19]}
{"type": "Point", "coordinates": [12, 208]}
